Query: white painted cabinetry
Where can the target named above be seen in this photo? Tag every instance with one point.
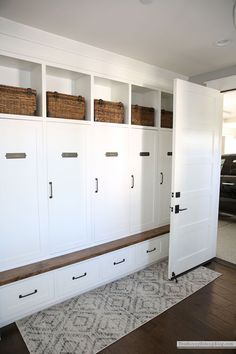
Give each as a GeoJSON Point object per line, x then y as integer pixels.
{"type": "Point", "coordinates": [20, 191]}
{"type": "Point", "coordinates": [67, 185]}
{"type": "Point", "coordinates": [27, 296]}
{"type": "Point", "coordinates": [165, 165]}
{"type": "Point", "coordinates": [144, 183]}
{"type": "Point", "coordinates": [111, 182]}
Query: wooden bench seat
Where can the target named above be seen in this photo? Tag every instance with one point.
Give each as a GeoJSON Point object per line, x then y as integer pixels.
{"type": "Point", "coordinates": [47, 265]}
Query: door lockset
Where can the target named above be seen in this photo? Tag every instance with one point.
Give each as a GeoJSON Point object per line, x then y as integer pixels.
{"type": "Point", "coordinates": [177, 209]}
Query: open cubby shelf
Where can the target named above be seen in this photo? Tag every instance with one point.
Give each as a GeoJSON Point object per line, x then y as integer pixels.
{"type": "Point", "coordinates": [166, 110]}
{"type": "Point", "coordinates": [25, 74]}
{"type": "Point", "coordinates": [146, 97]}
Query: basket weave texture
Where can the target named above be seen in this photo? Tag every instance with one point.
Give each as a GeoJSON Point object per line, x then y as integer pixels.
{"type": "Point", "coordinates": [142, 115]}
{"type": "Point", "coordinates": [107, 111]}
{"type": "Point", "coordinates": [17, 100]}
{"type": "Point", "coordinates": [60, 105]}
{"type": "Point", "coordinates": [166, 119]}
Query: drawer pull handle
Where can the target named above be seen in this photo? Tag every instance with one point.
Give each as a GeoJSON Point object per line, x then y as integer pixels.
{"type": "Point", "coordinates": [51, 191]}
{"type": "Point", "coordinates": [22, 296]}
{"type": "Point", "coordinates": [80, 276]}
{"type": "Point", "coordinates": [132, 181]}
{"type": "Point", "coordinates": [123, 260]}
{"type": "Point", "coordinates": [96, 182]}
{"type": "Point", "coordinates": [154, 249]}
{"type": "Point", "coordinates": [162, 178]}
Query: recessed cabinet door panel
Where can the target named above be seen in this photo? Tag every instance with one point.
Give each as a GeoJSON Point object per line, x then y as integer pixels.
{"type": "Point", "coordinates": [66, 154]}
{"type": "Point", "coordinates": [143, 173]}
{"type": "Point", "coordinates": [111, 182]}
{"type": "Point", "coordinates": [165, 162]}
{"type": "Point", "coordinates": [20, 165]}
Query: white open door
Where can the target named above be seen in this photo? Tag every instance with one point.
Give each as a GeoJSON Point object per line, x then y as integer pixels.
{"type": "Point", "coordinates": [195, 175]}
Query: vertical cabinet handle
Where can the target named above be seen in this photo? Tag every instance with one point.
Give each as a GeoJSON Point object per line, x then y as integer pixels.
{"type": "Point", "coordinates": [132, 181]}
{"type": "Point", "coordinates": [162, 178]}
{"type": "Point", "coordinates": [96, 182]}
{"type": "Point", "coordinates": [51, 191]}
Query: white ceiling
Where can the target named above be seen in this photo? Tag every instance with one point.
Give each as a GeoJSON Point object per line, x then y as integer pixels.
{"type": "Point", "coordinates": [178, 35]}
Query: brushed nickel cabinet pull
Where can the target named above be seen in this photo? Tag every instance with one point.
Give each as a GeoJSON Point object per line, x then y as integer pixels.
{"type": "Point", "coordinates": [15, 155]}
{"type": "Point", "coordinates": [22, 296]}
{"type": "Point", "coordinates": [69, 155]}
{"type": "Point", "coordinates": [111, 154]}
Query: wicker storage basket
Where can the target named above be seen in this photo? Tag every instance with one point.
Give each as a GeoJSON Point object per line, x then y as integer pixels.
{"type": "Point", "coordinates": [142, 115]}
{"type": "Point", "coordinates": [17, 100]}
{"type": "Point", "coordinates": [60, 105]}
{"type": "Point", "coordinates": [106, 111]}
{"type": "Point", "coordinates": [166, 119]}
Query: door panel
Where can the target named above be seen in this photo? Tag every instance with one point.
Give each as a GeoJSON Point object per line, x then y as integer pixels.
{"type": "Point", "coordinates": [111, 182]}
{"type": "Point", "coordinates": [165, 161]}
{"type": "Point", "coordinates": [20, 190]}
{"type": "Point", "coordinates": [195, 175]}
{"type": "Point", "coordinates": [143, 160]}
{"type": "Point", "coordinates": [66, 157]}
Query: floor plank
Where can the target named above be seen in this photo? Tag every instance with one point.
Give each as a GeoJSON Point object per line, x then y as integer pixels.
{"type": "Point", "coordinates": [209, 314]}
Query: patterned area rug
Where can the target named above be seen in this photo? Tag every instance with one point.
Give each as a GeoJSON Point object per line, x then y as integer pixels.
{"type": "Point", "coordinates": [90, 322]}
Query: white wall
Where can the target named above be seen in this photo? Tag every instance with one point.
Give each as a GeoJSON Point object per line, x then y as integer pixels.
{"type": "Point", "coordinates": [229, 135]}
{"type": "Point", "coordinates": [36, 45]}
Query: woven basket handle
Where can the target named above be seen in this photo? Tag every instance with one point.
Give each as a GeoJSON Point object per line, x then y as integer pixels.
{"type": "Point", "coordinates": [100, 101]}
{"type": "Point", "coordinates": [80, 98]}
{"type": "Point", "coordinates": [29, 91]}
{"type": "Point", "coordinates": [55, 93]}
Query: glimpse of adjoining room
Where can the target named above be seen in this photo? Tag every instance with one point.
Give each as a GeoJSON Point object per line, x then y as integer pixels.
{"type": "Point", "coordinates": [226, 245]}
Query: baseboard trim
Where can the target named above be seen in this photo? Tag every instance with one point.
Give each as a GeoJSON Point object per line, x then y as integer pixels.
{"type": "Point", "coordinates": [225, 263]}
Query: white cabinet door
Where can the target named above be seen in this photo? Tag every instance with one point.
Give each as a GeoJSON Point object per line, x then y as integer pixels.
{"type": "Point", "coordinates": [20, 165]}
{"type": "Point", "coordinates": [66, 158]}
{"type": "Point", "coordinates": [111, 182]}
{"type": "Point", "coordinates": [143, 175]}
{"type": "Point", "coordinates": [195, 175]}
{"type": "Point", "coordinates": [165, 162]}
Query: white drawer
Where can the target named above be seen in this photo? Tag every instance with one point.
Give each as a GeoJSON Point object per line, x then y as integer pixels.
{"type": "Point", "coordinates": [24, 296]}
{"type": "Point", "coordinates": [76, 278]}
{"type": "Point", "coordinates": [148, 251]}
{"type": "Point", "coordinates": [117, 263]}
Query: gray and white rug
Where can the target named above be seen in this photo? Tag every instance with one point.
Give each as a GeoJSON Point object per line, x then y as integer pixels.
{"type": "Point", "coordinates": [90, 322]}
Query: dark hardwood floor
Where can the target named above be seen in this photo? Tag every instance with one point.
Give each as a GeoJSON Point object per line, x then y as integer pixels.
{"type": "Point", "coordinates": [209, 314]}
